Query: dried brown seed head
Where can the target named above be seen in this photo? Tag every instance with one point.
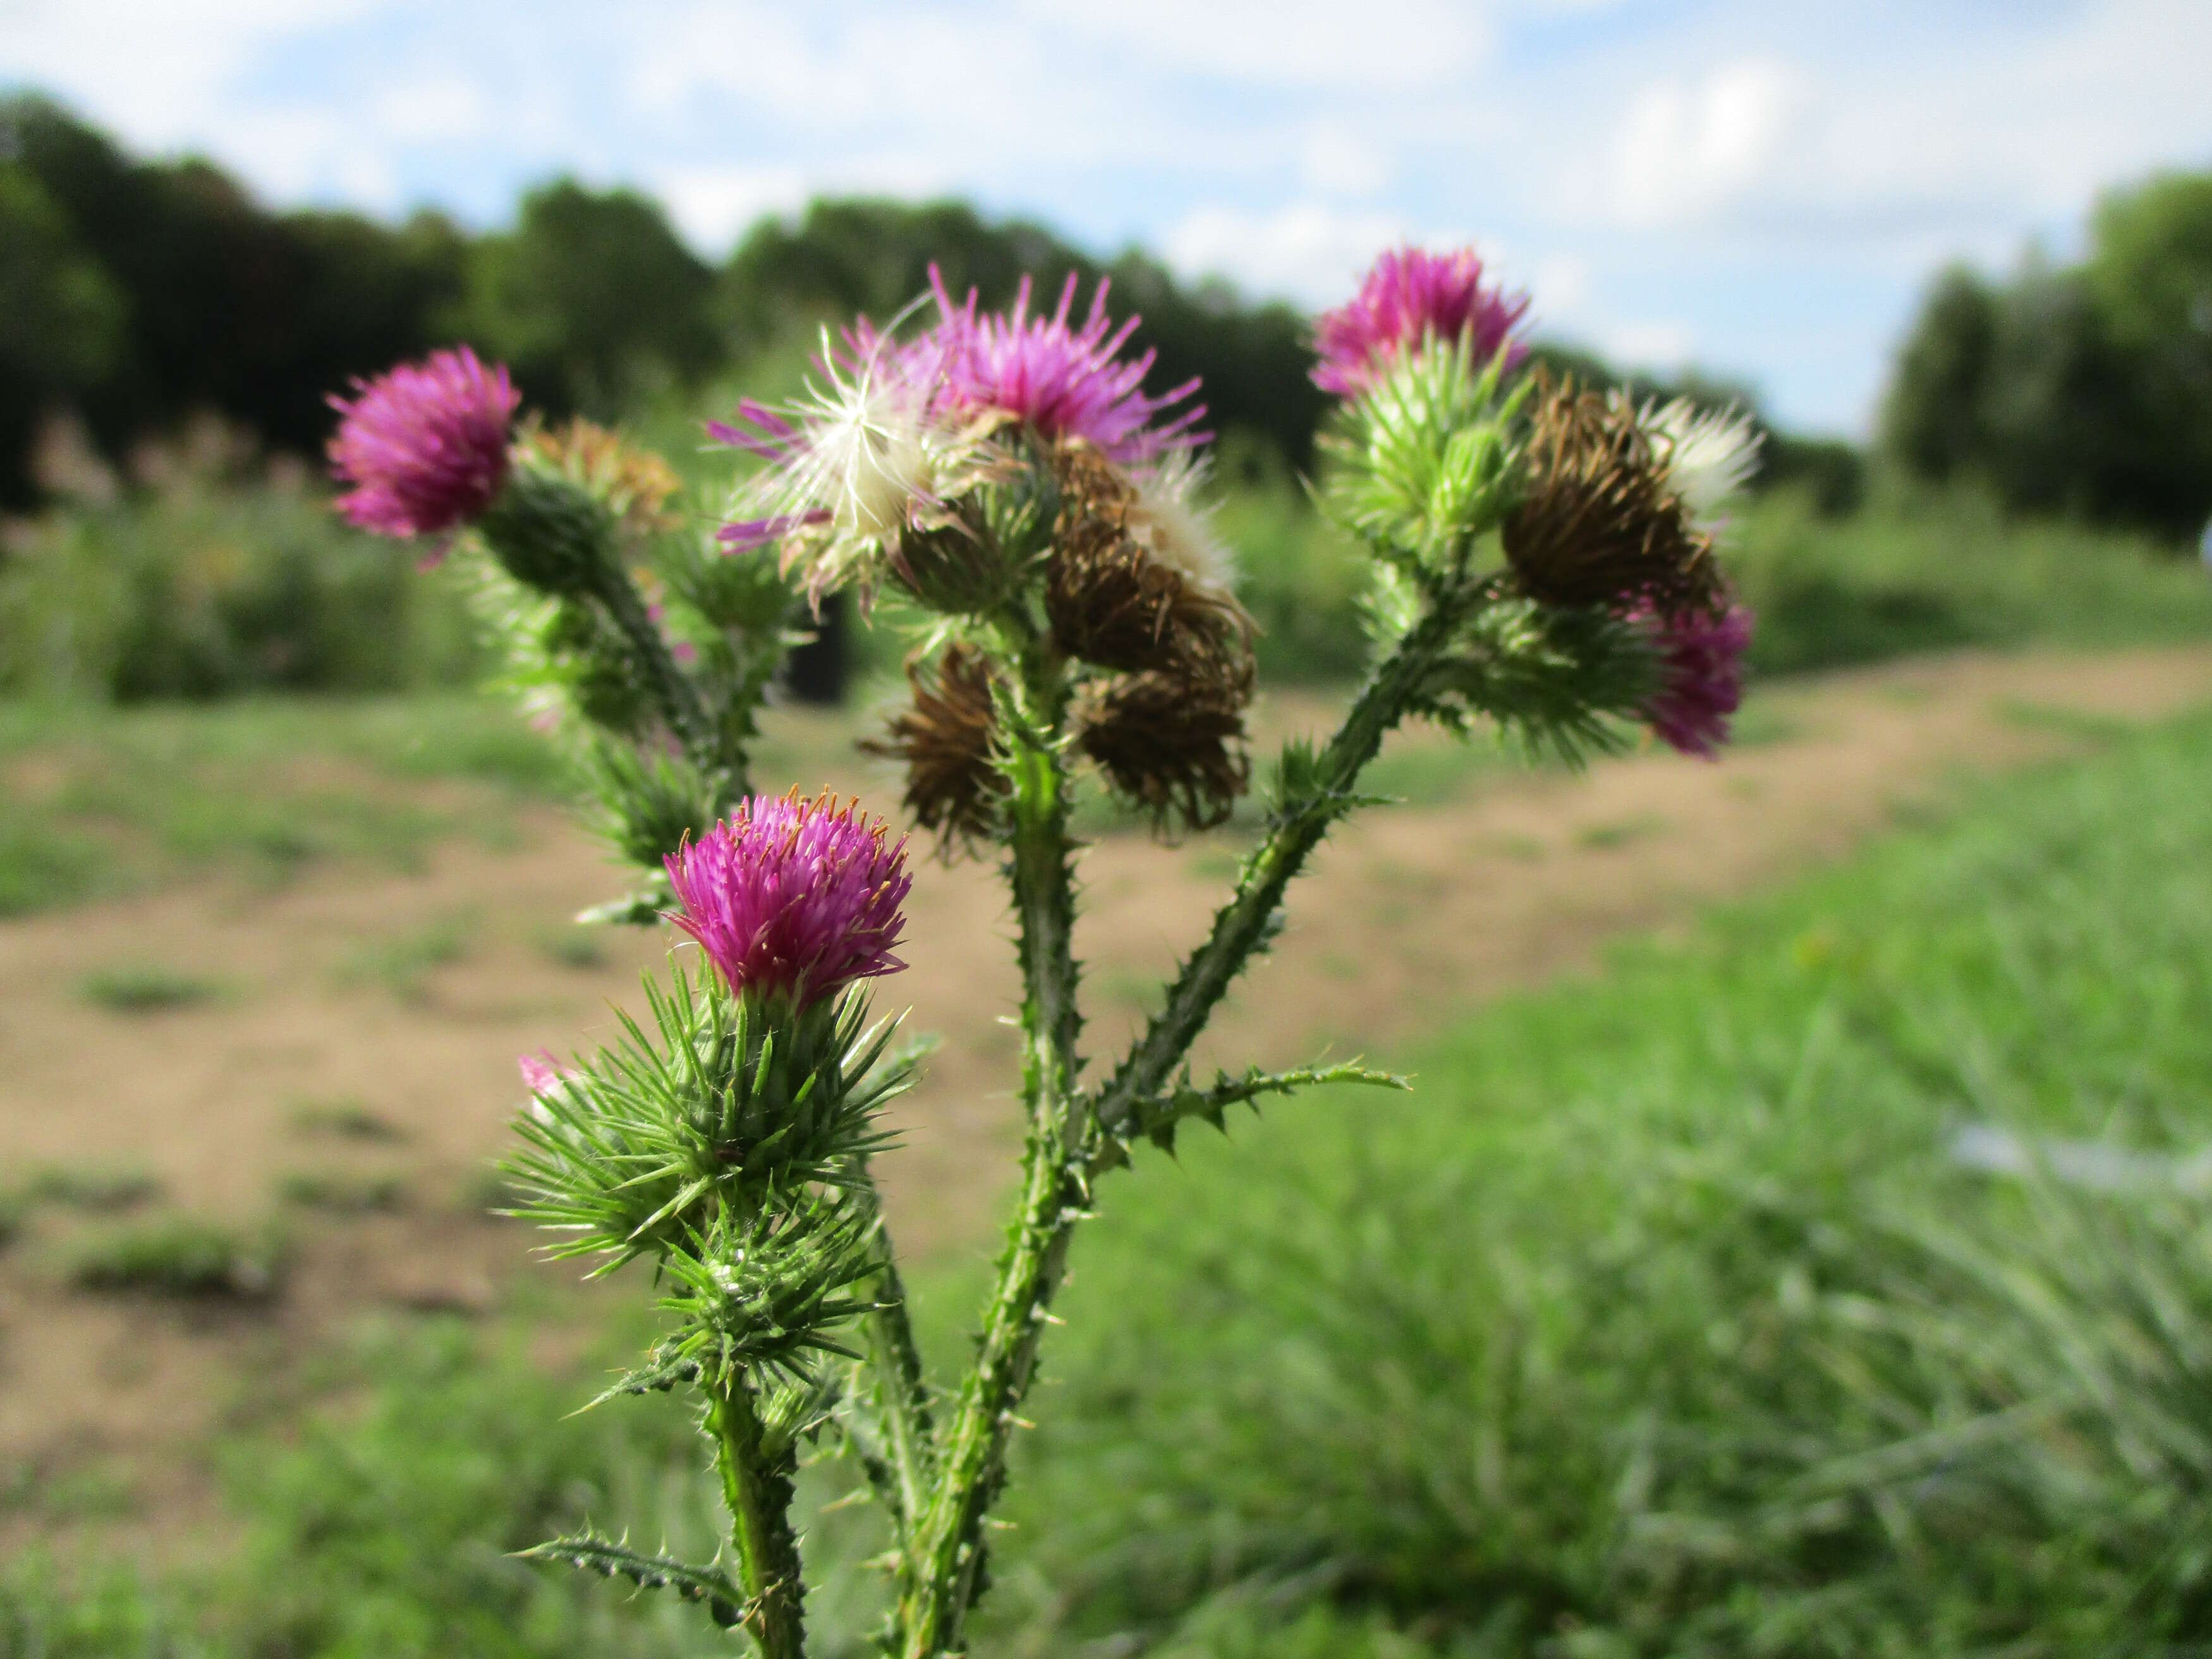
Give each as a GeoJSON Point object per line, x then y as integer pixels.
{"type": "Point", "coordinates": [1112, 602]}
{"type": "Point", "coordinates": [1596, 524]}
{"type": "Point", "coordinates": [1171, 745]}
{"type": "Point", "coordinates": [945, 739]}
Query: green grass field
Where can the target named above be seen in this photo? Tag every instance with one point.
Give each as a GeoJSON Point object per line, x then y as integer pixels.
{"type": "Point", "coordinates": [1660, 1319]}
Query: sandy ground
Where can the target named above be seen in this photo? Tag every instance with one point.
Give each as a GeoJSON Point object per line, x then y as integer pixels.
{"type": "Point", "coordinates": [1407, 915]}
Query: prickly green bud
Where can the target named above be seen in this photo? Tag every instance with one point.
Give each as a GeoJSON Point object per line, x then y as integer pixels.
{"type": "Point", "coordinates": [730, 1104]}
{"type": "Point", "coordinates": [549, 532]}
{"type": "Point", "coordinates": [1426, 462]}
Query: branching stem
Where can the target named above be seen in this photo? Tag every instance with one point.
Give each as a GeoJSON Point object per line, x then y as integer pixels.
{"type": "Point", "coordinates": [671, 687]}
{"type": "Point", "coordinates": [945, 1556]}
{"type": "Point", "coordinates": [1253, 912]}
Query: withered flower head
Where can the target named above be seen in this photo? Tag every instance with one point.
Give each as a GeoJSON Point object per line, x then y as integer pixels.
{"type": "Point", "coordinates": [945, 739]}
{"type": "Point", "coordinates": [635, 484]}
{"type": "Point", "coordinates": [1598, 523]}
{"type": "Point", "coordinates": [1112, 602]}
{"type": "Point", "coordinates": [1172, 744]}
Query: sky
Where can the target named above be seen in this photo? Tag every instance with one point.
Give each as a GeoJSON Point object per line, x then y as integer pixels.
{"type": "Point", "coordinates": [1763, 189]}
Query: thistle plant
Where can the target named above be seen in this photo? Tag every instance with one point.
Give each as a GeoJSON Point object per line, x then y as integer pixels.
{"type": "Point", "coordinates": [1544, 568]}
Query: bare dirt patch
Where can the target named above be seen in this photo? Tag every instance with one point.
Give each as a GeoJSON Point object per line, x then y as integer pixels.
{"type": "Point", "coordinates": [364, 1034]}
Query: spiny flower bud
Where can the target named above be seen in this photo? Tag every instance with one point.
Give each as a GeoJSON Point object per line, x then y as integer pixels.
{"type": "Point", "coordinates": [1598, 522]}
{"type": "Point", "coordinates": [635, 484]}
{"type": "Point", "coordinates": [1172, 745]}
{"type": "Point", "coordinates": [1700, 677]}
{"type": "Point", "coordinates": [953, 782]}
{"type": "Point", "coordinates": [550, 532]}
{"type": "Point", "coordinates": [1112, 604]}
{"type": "Point", "coordinates": [424, 445]}
{"type": "Point", "coordinates": [793, 899]}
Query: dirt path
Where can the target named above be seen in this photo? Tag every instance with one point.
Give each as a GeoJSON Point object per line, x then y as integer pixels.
{"type": "Point", "coordinates": [395, 1005]}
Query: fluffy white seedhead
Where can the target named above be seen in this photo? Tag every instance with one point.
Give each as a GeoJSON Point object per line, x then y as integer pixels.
{"type": "Point", "coordinates": [1709, 455]}
{"type": "Point", "coordinates": [1175, 526]}
{"type": "Point", "coordinates": [870, 454]}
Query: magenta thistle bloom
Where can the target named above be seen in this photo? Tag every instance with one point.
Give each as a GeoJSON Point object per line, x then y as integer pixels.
{"type": "Point", "coordinates": [1064, 381]}
{"type": "Point", "coordinates": [794, 898]}
{"type": "Point", "coordinates": [1409, 294]}
{"type": "Point", "coordinates": [1700, 677]}
{"type": "Point", "coordinates": [424, 445]}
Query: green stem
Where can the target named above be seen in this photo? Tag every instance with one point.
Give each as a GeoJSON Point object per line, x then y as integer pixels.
{"type": "Point", "coordinates": [900, 1391]}
{"type": "Point", "coordinates": [678, 697]}
{"type": "Point", "coordinates": [757, 1487]}
{"type": "Point", "coordinates": [1251, 917]}
{"type": "Point", "coordinates": [944, 1559]}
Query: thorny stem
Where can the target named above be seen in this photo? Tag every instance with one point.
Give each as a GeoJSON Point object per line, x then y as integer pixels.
{"type": "Point", "coordinates": [757, 1487]}
{"type": "Point", "coordinates": [1069, 1132]}
{"type": "Point", "coordinates": [1250, 918]}
{"type": "Point", "coordinates": [945, 1557]}
{"type": "Point", "coordinates": [672, 688]}
{"type": "Point", "coordinates": [900, 1401]}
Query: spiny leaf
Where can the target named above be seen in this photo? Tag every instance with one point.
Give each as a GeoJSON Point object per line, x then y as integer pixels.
{"type": "Point", "coordinates": [611, 1559]}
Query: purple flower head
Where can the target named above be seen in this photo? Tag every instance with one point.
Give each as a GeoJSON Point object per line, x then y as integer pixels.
{"type": "Point", "coordinates": [1066, 381]}
{"type": "Point", "coordinates": [1409, 294]}
{"type": "Point", "coordinates": [424, 445]}
{"type": "Point", "coordinates": [1700, 677]}
{"type": "Point", "coordinates": [793, 898]}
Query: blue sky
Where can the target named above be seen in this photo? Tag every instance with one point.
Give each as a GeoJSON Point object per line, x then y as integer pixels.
{"type": "Point", "coordinates": [1760, 188]}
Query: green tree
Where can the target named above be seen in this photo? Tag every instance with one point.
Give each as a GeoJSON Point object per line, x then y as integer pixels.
{"type": "Point", "coordinates": [61, 321]}
{"type": "Point", "coordinates": [2150, 274]}
{"type": "Point", "coordinates": [1933, 418]}
{"type": "Point", "coordinates": [594, 299]}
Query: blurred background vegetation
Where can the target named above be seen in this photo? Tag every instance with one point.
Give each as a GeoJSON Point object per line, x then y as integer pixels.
{"type": "Point", "coordinates": [167, 346]}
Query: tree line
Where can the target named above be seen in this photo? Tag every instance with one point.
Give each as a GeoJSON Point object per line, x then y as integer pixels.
{"type": "Point", "coordinates": [135, 292]}
{"type": "Point", "coordinates": [2084, 390]}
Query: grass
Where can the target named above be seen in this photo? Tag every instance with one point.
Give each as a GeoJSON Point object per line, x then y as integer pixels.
{"type": "Point", "coordinates": [100, 802]}
{"type": "Point", "coordinates": [143, 989]}
{"type": "Point", "coordinates": [1659, 1320]}
{"type": "Point", "coordinates": [345, 1117]}
{"type": "Point", "coordinates": [180, 1257]}
{"type": "Point", "coordinates": [404, 962]}
{"type": "Point", "coordinates": [341, 1192]}
{"type": "Point", "coordinates": [115, 1187]}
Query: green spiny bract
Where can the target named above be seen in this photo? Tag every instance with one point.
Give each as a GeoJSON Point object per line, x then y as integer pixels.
{"type": "Point", "coordinates": [648, 804]}
{"type": "Point", "coordinates": [549, 532]}
{"type": "Point", "coordinates": [1427, 460]}
{"type": "Point", "coordinates": [1558, 681]}
{"type": "Point", "coordinates": [761, 1298]}
{"type": "Point", "coordinates": [972, 556]}
{"type": "Point", "coordinates": [740, 593]}
{"type": "Point", "coordinates": [730, 1106]}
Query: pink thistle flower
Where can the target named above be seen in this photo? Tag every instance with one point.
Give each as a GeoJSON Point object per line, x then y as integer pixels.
{"type": "Point", "coordinates": [1064, 381]}
{"type": "Point", "coordinates": [541, 1073]}
{"type": "Point", "coordinates": [1700, 677]}
{"type": "Point", "coordinates": [793, 898]}
{"type": "Point", "coordinates": [1408, 296]}
{"type": "Point", "coordinates": [424, 445]}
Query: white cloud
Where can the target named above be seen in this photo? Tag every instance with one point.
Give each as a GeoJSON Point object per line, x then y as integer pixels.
{"type": "Point", "coordinates": [1343, 161]}
{"type": "Point", "coordinates": [1689, 151]}
{"type": "Point", "coordinates": [711, 205]}
{"type": "Point", "coordinates": [433, 105]}
{"type": "Point", "coordinates": [1648, 344]}
{"type": "Point", "coordinates": [1293, 43]}
{"type": "Point", "coordinates": [1305, 251]}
